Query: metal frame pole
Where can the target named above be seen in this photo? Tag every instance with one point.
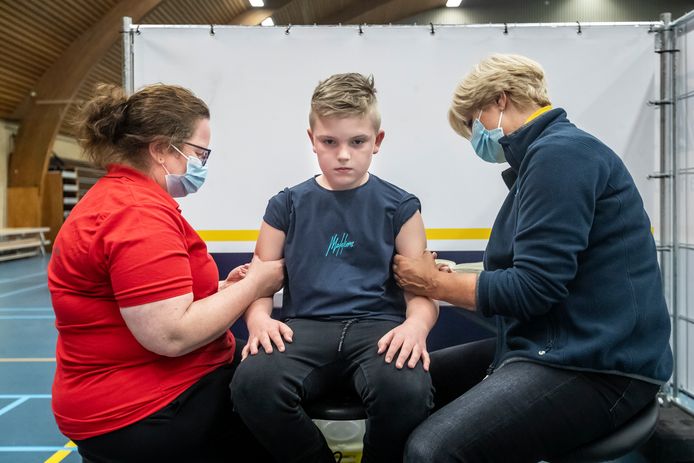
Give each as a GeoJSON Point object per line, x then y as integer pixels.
{"type": "Point", "coordinates": [666, 48]}
{"type": "Point", "coordinates": [128, 38]}
{"type": "Point", "coordinates": [672, 55]}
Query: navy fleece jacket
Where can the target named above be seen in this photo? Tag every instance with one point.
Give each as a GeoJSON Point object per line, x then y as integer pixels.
{"type": "Point", "coordinates": [571, 268]}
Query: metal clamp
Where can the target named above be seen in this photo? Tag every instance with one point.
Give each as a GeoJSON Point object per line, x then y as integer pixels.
{"type": "Point", "coordinates": [659, 102]}
{"type": "Point", "coordinates": [659, 175]}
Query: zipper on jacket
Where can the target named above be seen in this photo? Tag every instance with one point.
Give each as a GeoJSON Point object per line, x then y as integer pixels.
{"type": "Point", "coordinates": [490, 370]}
{"type": "Point", "coordinates": [499, 342]}
{"type": "Point", "coordinates": [550, 337]}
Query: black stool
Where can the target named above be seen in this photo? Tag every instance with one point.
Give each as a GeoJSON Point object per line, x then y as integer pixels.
{"type": "Point", "coordinates": [342, 406]}
{"type": "Point", "coordinates": [630, 436]}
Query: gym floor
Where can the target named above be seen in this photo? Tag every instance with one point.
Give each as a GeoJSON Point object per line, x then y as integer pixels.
{"type": "Point", "coordinates": [28, 432]}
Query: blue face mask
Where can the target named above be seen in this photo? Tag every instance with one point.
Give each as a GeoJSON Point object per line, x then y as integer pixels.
{"type": "Point", "coordinates": [486, 142]}
{"type": "Point", "coordinates": [178, 185]}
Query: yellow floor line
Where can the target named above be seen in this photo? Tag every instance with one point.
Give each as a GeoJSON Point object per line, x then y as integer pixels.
{"type": "Point", "coordinates": [61, 454]}
{"type": "Point", "coordinates": [26, 359]}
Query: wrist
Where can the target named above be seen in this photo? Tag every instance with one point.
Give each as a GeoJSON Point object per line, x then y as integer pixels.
{"type": "Point", "coordinates": [434, 289]}
{"type": "Point", "coordinates": [418, 322]}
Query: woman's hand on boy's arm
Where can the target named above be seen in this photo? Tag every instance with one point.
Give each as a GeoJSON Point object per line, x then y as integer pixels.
{"type": "Point", "coordinates": [408, 340]}
{"type": "Point", "coordinates": [263, 330]}
{"type": "Point", "coordinates": [236, 275]}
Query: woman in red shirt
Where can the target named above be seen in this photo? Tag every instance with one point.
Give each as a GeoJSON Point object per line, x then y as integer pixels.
{"type": "Point", "coordinates": [144, 352]}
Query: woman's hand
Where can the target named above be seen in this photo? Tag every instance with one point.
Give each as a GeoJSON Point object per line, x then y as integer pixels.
{"type": "Point", "coordinates": [236, 275]}
{"type": "Point", "coordinates": [264, 331]}
{"type": "Point", "coordinates": [267, 276]}
{"type": "Point", "coordinates": [410, 338]}
{"type": "Point", "coordinates": [417, 275]}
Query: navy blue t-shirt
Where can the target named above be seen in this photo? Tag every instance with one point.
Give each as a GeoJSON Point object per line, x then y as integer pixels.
{"type": "Point", "coordinates": [339, 249]}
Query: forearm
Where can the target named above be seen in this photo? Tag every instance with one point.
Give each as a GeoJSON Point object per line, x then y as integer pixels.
{"type": "Point", "coordinates": [458, 289]}
{"type": "Point", "coordinates": [262, 306]}
{"type": "Point", "coordinates": [207, 319]}
{"type": "Point", "coordinates": [421, 309]}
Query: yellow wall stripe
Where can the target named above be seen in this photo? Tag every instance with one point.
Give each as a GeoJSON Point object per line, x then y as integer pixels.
{"type": "Point", "coordinates": [458, 233]}
{"type": "Point", "coordinates": [61, 454]}
{"type": "Point", "coordinates": [228, 235]}
{"type": "Point", "coordinates": [432, 234]}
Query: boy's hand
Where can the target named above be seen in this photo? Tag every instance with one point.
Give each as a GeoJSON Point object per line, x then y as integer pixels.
{"type": "Point", "coordinates": [263, 331]}
{"type": "Point", "coordinates": [410, 339]}
{"type": "Point", "coordinates": [236, 275]}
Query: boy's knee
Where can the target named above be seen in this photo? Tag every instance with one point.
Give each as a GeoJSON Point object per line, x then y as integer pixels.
{"type": "Point", "coordinates": [392, 390]}
{"type": "Point", "coordinates": [254, 378]}
{"type": "Point", "coordinates": [409, 386]}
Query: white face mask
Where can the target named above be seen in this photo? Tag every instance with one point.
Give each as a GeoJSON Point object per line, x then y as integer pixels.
{"type": "Point", "coordinates": [180, 185]}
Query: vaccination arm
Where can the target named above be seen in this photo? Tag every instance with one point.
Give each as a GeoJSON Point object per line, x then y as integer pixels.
{"type": "Point", "coordinates": [263, 330]}
{"type": "Point", "coordinates": [410, 337]}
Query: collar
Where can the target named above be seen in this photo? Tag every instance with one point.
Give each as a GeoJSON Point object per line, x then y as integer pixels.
{"type": "Point", "coordinates": [138, 177]}
{"type": "Point", "coordinates": [537, 113]}
{"type": "Point", "coordinates": [516, 144]}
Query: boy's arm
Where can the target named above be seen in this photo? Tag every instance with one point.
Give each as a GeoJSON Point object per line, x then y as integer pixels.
{"type": "Point", "coordinates": [263, 330]}
{"type": "Point", "coordinates": [410, 337]}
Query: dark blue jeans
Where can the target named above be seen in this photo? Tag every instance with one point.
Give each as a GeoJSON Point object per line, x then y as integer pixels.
{"type": "Point", "coordinates": [522, 412]}
{"type": "Point", "coordinates": [268, 390]}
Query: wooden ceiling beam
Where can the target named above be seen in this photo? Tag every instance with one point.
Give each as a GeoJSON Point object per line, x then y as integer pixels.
{"type": "Point", "coordinates": [40, 123]}
{"type": "Point", "coordinates": [353, 11]}
{"type": "Point", "coordinates": [252, 17]}
{"type": "Point", "coordinates": [395, 11]}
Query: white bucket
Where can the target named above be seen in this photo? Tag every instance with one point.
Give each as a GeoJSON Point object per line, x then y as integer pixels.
{"type": "Point", "coordinates": [346, 437]}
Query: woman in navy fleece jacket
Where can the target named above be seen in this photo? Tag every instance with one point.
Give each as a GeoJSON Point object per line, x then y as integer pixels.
{"type": "Point", "coordinates": [571, 276]}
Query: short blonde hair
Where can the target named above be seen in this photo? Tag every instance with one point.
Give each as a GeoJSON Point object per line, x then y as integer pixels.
{"type": "Point", "coordinates": [345, 95]}
{"type": "Point", "coordinates": [520, 78]}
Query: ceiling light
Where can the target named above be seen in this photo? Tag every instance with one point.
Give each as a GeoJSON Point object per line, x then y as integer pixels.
{"type": "Point", "coordinates": [453, 3]}
{"type": "Point", "coordinates": [256, 3]}
{"type": "Point", "coordinates": [268, 22]}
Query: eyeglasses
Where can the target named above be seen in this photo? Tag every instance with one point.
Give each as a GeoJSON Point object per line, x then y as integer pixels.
{"type": "Point", "coordinates": [203, 155]}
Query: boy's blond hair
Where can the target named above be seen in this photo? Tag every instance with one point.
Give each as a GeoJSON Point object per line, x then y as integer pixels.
{"type": "Point", "coordinates": [520, 78]}
{"type": "Point", "coordinates": [345, 95]}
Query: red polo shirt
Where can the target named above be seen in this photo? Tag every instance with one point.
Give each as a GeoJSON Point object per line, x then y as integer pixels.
{"type": "Point", "coordinates": [124, 244]}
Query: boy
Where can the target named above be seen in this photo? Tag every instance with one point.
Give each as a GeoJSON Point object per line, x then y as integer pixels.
{"type": "Point", "coordinates": [338, 233]}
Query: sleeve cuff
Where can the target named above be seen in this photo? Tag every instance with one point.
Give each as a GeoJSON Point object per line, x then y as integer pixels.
{"type": "Point", "coordinates": [483, 294]}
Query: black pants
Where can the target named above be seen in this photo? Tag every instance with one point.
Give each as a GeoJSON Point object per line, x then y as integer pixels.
{"type": "Point", "coordinates": [523, 412]}
{"type": "Point", "coordinates": [198, 426]}
{"type": "Point", "coordinates": [268, 390]}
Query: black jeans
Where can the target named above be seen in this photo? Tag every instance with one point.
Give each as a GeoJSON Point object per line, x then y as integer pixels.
{"type": "Point", "coordinates": [268, 390]}
{"type": "Point", "coordinates": [198, 426]}
{"type": "Point", "coordinates": [522, 412]}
